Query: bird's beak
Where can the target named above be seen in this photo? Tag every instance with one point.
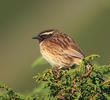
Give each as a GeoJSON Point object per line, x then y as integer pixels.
{"type": "Point", "coordinates": [36, 37]}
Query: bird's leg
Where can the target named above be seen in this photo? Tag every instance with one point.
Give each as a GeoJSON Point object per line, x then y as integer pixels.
{"type": "Point", "coordinates": [56, 70]}
{"type": "Point", "coordinates": [60, 67]}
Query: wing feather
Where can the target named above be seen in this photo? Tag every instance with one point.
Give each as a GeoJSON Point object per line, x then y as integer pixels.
{"type": "Point", "coordinates": [72, 48]}
{"type": "Point", "coordinates": [74, 53]}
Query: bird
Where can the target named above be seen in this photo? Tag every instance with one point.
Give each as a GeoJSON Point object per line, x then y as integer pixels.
{"type": "Point", "coordinates": [59, 49]}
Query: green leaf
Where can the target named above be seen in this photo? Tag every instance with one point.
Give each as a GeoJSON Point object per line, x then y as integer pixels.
{"type": "Point", "coordinates": [39, 62]}
{"type": "Point", "coordinates": [92, 57]}
{"type": "Point", "coordinates": [2, 85]}
{"type": "Point", "coordinates": [76, 83]}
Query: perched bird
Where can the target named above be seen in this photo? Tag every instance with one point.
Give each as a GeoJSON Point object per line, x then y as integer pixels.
{"type": "Point", "coordinates": [59, 49]}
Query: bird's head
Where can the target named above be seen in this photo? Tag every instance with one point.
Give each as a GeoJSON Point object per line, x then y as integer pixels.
{"type": "Point", "coordinates": [45, 34]}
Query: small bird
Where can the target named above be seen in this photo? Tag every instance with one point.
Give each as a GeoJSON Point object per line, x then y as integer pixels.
{"type": "Point", "coordinates": [59, 49]}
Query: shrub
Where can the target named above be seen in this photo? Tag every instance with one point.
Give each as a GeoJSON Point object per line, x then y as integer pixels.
{"type": "Point", "coordinates": [84, 82]}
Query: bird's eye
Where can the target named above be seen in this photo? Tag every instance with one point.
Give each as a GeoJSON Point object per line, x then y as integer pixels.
{"type": "Point", "coordinates": [46, 36]}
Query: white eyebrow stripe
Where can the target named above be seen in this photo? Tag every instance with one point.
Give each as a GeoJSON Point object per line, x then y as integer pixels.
{"type": "Point", "coordinates": [47, 33]}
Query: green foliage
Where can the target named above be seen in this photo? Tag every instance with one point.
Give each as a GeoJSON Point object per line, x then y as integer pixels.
{"type": "Point", "coordinates": [85, 82]}
{"type": "Point", "coordinates": [9, 94]}
{"type": "Point", "coordinates": [80, 83]}
{"type": "Point", "coordinates": [39, 62]}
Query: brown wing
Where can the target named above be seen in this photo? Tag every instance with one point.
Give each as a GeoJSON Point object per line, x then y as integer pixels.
{"type": "Point", "coordinates": [73, 48]}
{"type": "Point", "coordinates": [62, 43]}
{"type": "Point", "coordinates": [69, 46]}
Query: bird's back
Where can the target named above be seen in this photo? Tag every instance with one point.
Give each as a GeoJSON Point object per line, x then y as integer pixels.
{"type": "Point", "coordinates": [61, 51]}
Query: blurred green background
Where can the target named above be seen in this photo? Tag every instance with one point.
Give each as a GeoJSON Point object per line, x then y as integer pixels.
{"type": "Point", "coordinates": [87, 21]}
